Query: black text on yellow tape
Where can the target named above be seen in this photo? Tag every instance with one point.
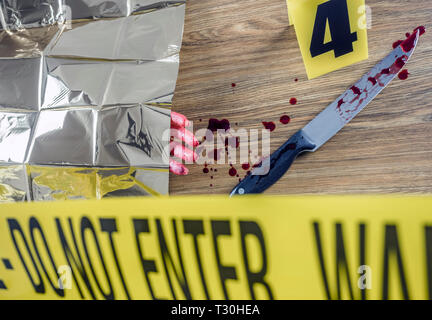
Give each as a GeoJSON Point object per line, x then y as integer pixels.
{"type": "Point", "coordinates": [253, 248]}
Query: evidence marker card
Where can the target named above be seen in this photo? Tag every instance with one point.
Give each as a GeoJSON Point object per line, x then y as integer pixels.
{"type": "Point", "coordinates": [332, 34]}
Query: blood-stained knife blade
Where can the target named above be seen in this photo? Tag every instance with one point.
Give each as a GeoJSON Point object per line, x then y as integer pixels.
{"type": "Point", "coordinates": [330, 121]}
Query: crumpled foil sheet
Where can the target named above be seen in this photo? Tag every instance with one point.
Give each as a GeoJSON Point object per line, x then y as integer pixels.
{"type": "Point", "coordinates": [86, 88]}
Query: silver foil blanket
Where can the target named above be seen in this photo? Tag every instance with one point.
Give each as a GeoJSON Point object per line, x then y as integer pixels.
{"type": "Point", "coordinates": [85, 96]}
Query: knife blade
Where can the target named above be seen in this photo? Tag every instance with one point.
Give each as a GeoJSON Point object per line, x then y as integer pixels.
{"type": "Point", "coordinates": [330, 121]}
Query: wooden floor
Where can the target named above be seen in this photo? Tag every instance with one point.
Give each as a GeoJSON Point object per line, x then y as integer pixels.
{"type": "Point", "coordinates": [385, 149]}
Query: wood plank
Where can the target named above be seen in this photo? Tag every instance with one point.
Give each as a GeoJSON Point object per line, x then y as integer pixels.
{"type": "Point", "coordinates": [385, 149]}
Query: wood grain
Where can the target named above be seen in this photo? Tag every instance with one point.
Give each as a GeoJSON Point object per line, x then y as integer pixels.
{"type": "Point", "coordinates": [385, 149]}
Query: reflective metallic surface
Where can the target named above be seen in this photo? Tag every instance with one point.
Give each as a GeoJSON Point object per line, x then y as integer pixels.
{"type": "Point", "coordinates": [85, 94]}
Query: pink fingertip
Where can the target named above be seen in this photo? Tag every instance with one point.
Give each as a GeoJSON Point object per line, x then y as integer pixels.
{"type": "Point", "coordinates": [179, 120]}
{"type": "Point", "coordinates": [178, 169]}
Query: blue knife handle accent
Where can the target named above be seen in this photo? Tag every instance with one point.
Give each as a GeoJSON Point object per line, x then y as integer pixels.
{"type": "Point", "coordinates": [280, 161]}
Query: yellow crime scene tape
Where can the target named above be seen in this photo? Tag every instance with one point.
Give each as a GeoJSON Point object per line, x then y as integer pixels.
{"type": "Point", "coordinates": [218, 248]}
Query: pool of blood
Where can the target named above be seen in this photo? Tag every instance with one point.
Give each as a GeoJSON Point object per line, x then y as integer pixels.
{"type": "Point", "coordinates": [245, 166]}
{"type": "Point", "coordinates": [269, 126]}
{"type": "Point", "coordinates": [232, 172]}
{"type": "Point", "coordinates": [285, 119]}
{"type": "Point", "coordinates": [403, 75]}
{"type": "Point", "coordinates": [215, 124]}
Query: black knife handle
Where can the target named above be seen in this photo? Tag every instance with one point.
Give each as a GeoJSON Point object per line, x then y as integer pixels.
{"type": "Point", "coordinates": [280, 161]}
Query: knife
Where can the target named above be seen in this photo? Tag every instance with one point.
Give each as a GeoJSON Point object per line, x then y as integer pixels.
{"type": "Point", "coordinates": [330, 121]}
